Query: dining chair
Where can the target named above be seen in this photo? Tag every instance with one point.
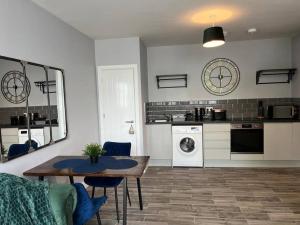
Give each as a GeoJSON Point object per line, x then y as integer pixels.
{"type": "Point", "coordinates": [86, 207]}
{"type": "Point", "coordinates": [112, 149]}
{"type": "Point", "coordinates": [16, 150]}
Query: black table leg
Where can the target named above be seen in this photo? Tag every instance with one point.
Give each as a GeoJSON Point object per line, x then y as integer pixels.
{"type": "Point", "coordinates": [125, 201]}
{"type": "Point", "coordinates": [41, 178]}
{"type": "Point", "coordinates": [140, 193]}
{"type": "Point", "coordinates": [71, 179]}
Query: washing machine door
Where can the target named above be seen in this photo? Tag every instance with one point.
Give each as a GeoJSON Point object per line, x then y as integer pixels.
{"type": "Point", "coordinates": [187, 145]}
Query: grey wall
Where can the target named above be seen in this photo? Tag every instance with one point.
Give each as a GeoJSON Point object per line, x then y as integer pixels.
{"type": "Point", "coordinates": [124, 51]}
{"type": "Point", "coordinates": [296, 64]}
{"type": "Point", "coordinates": [30, 33]}
{"type": "Point", "coordinates": [250, 56]}
{"type": "Point", "coordinates": [117, 51]}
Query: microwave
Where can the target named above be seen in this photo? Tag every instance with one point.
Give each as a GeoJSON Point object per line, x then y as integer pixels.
{"type": "Point", "coordinates": [282, 111]}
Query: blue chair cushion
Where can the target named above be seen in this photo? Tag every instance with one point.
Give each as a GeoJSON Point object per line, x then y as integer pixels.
{"type": "Point", "coordinates": [117, 149]}
{"type": "Point", "coordinates": [103, 181]}
{"type": "Point", "coordinates": [16, 150]}
{"type": "Point", "coordinates": [86, 207]}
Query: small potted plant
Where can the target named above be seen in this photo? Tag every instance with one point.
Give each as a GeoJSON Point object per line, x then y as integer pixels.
{"type": "Point", "coordinates": [94, 151]}
{"type": "Point", "coordinates": [3, 153]}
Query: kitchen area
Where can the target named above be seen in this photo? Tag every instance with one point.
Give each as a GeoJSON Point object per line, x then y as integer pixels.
{"type": "Point", "coordinates": [269, 140]}
{"type": "Point", "coordinates": [217, 108]}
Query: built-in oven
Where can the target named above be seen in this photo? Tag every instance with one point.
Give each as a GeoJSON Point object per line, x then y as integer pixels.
{"type": "Point", "coordinates": [247, 138]}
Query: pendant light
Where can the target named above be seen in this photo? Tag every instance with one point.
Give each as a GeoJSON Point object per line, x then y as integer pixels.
{"type": "Point", "coordinates": [213, 37]}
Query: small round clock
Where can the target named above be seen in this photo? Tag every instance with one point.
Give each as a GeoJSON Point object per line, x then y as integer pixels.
{"type": "Point", "coordinates": [15, 87]}
{"type": "Point", "coordinates": [220, 76]}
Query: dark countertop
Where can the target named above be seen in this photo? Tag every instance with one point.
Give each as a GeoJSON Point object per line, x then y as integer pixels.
{"type": "Point", "coordinates": [25, 126]}
{"type": "Point", "coordinates": [227, 121]}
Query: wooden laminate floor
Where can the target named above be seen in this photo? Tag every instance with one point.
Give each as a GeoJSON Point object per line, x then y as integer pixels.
{"type": "Point", "coordinates": [212, 196]}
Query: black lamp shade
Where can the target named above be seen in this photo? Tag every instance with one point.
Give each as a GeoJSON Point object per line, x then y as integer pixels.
{"type": "Point", "coordinates": [213, 37]}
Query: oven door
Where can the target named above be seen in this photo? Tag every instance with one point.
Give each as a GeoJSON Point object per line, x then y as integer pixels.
{"type": "Point", "coordinates": [247, 141]}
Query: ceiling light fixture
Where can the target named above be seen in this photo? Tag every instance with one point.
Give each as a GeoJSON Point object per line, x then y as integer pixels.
{"type": "Point", "coordinates": [213, 37]}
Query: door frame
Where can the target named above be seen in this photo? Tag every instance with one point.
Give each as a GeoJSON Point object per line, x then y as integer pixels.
{"type": "Point", "coordinates": [137, 118]}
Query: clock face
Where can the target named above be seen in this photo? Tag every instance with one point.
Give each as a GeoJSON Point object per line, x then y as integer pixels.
{"type": "Point", "coordinates": [15, 87]}
{"type": "Point", "coordinates": [220, 76]}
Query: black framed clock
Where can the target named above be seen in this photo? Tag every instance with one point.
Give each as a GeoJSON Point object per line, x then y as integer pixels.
{"type": "Point", "coordinates": [15, 87]}
{"type": "Point", "coordinates": [220, 76]}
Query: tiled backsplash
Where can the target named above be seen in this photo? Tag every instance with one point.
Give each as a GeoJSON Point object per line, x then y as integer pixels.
{"type": "Point", "coordinates": [243, 109]}
{"type": "Point", "coordinates": [7, 112]}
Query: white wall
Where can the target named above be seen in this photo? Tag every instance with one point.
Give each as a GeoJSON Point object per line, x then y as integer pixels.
{"type": "Point", "coordinates": [296, 64]}
{"type": "Point", "coordinates": [124, 51]}
{"type": "Point", "coordinates": [250, 56]}
{"type": "Point", "coordinates": [30, 33]}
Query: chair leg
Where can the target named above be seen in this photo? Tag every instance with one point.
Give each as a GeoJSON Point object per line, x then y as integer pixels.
{"type": "Point", "coordinates": [93, 192]}
{"type": "Point", "coordinates": [128, 196]}
{"type": "Point", "coordinates": [105, 191]}
{"type": "Point", "coordinates": [98, 218]}
{"type": "Point", "coordinates": [117, 204]}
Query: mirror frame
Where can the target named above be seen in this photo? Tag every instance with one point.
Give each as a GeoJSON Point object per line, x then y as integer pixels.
{"type": "Point", "coordinates": [28, 125]}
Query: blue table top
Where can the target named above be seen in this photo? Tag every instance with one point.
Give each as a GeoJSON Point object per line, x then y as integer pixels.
{"type": "Point", "coordinates": [85, 166]}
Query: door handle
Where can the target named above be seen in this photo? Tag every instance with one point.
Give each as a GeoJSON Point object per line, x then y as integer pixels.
{"type": "Point", "coordinates": [129, 121]}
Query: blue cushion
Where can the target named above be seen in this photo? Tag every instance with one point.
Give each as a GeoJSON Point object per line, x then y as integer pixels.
{"type": "Point", "coordinates": [86, 207]}
{"type": "Point", "coordinates": [117, 149]}
{"type": "Point", "coordinates": [103, 181]}
{"type": "Point", "coordinates": [16, 150]}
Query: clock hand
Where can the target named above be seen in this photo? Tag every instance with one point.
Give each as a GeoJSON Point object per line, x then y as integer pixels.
{"type": "Point", "coordinates": [16, 92]}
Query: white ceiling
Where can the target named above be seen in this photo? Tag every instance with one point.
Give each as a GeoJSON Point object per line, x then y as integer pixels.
{"type": "Point", "coordinates": [168, 22]}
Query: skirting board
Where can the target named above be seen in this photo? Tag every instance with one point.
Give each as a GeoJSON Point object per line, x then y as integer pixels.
{"type": "Point", "coordinates": [233, 163]}
{"type": "Point", "coordinates": [251, 163]}
{"type": "Point", "coordinates": [160, 162]}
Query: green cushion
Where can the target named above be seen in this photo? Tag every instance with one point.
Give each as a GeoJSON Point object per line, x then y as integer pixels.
{"type": "Point", "coordinates": [63, 200]}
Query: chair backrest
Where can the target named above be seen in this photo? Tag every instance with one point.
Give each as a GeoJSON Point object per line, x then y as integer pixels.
{"type": "Point", "coordinates": [17, 150]}
{"type": "Point", "coordinates": [117, 149]}
{"type": "Point", "coordinates": [86, 207]}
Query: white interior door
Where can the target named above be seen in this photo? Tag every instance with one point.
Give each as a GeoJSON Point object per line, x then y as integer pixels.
{"type": "Point", "coordinates": [118, 105]}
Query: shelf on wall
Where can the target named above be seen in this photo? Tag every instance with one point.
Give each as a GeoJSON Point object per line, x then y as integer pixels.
{"type": "Point", "coordinates": [172, 81]}
{"type": "Point", "coordinates": [43, 84]}
{"type": "Point", "coordinates": [275, 76]}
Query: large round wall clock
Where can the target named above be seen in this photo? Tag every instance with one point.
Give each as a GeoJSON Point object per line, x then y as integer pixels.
{"type": "Point", "coordinates": [15, 87]}
{"type": "Point", "coordinates": [220, 76]}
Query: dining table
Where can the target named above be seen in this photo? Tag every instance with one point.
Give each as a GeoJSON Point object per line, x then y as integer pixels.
{"type": "Point", "coordinates": [70, 170]}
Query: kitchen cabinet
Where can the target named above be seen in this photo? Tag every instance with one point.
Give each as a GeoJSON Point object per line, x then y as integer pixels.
{"type": "Point", "coordinates": [159, 141]}
{"type": "Point", "coordinates": [55, 134]}
{"type": "Point", "coordinates": [216, 141]}
{"type": "Point", "coordinates": [296, 141]}
{"type": "Point", "coordinates": [278, 139]}
{"type": "Point", "coordinates": [9, 136]}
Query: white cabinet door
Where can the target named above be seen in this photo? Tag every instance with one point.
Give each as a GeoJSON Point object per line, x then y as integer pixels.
{"type": "Point", "coordinates": [278, 141]}
{"type": "Point", "coordinates": [216, 141]}
{"type": "Point", "coordinates": [296, 141]}
{"type": "Point", "coordinates": [159, 141]}
{"type": "Point", "coordinates": [9, 137]}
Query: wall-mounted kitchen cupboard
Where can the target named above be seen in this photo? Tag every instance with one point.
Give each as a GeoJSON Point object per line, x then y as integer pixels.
{"type": "Point", "coordinates": [32, 107]}
{"type": "Point", "coordinates": [281, 141]}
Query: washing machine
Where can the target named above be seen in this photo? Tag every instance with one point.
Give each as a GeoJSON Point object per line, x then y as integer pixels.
{"type": "Point", "coordinates": [187, 146]}
{"type": "Point", "coordinates": [37, 137]}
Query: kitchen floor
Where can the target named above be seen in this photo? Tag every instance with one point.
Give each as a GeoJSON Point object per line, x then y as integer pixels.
{"type": "Point", "coordinates": [212, 196]}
